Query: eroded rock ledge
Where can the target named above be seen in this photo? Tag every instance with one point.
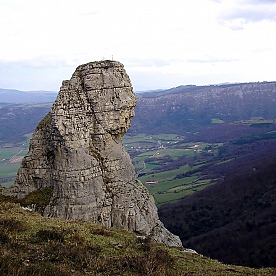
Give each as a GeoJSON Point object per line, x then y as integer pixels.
{"type": "Point", "coordinates": [77, 149]}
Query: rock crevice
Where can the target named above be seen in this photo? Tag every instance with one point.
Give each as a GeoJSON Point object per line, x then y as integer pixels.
{"type": "Point", "coordinates": [77, 149]}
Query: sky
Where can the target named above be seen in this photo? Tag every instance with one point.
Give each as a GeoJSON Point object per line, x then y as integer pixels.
{"type": "Point", "coordinates": [162, 43]}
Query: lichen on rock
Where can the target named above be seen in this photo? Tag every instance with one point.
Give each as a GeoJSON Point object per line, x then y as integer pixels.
{"type": "Point", "coordinates": [77, 149]}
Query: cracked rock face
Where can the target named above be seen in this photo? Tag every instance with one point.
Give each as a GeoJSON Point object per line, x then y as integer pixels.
{"type": "Point", "coordinates": [77, 149]}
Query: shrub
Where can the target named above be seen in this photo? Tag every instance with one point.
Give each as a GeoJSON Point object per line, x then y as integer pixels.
{"type": "Point", "coordinates": [39, 198]}
{"type": "Point", "coordinates": [101, 231]}
{"type": "Point", "coordinates": [50, 235]}
{"type": "Point", "coordinates": [4, 238]}
{"type": "Point", "coordinates": [11, 225]}
{"type": "Point", "coordinates": [156, 262]}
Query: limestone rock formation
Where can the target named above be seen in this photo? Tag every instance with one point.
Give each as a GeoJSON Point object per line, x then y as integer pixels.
{"type": "Point", "coordinates": [77, 149]}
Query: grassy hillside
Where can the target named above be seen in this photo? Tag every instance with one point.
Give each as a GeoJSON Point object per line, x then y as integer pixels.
{"type": "Point", "coordinates": [35, 245]}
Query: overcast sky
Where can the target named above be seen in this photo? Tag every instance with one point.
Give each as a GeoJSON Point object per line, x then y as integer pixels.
{"type": "Point", "coordinates": [162, 43]}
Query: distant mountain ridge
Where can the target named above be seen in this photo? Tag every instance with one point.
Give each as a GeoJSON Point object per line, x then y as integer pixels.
{"type": "Point", "coordinates": [16, 96]}
{"type": "Point", "coordinates": [193, 108]}
{"type": "Point", "coordinates": [182, 110]}
{"type": "Point", "coordinates": [16, 120]}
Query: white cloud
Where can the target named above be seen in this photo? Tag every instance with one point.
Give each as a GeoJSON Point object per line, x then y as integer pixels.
{"type": "Point", "coordinates": [161, 43]}
{"type": "Point", "coordinates": [236, 14]}
{"type": "Point", "coordinates": [212, 60]}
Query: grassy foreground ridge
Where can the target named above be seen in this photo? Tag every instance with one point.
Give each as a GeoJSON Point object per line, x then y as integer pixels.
{"type": "Point", "coordinates": [36, 245]}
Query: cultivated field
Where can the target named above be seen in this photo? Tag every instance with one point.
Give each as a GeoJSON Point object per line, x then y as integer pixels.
{"type": "Point", "coordinates": [168, 166]}
{"type": "Point", "coordinates": [10, 160]}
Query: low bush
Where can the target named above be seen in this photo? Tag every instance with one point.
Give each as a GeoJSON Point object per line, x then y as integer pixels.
{"type": "Point", "coordinates": [11, 225]}
{"type": "Point", "coordinates": [50, 235]}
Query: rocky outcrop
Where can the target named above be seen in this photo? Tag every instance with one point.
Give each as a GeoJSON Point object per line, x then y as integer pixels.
{"type": "Point", "coordinates": [77, 149]}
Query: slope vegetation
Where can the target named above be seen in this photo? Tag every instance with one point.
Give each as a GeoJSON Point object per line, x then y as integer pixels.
{"type": "Point", "coordinates": [35, 245]}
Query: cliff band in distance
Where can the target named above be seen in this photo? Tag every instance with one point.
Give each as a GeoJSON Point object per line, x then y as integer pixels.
{"type": "Point", "coordinates": [77, 149]}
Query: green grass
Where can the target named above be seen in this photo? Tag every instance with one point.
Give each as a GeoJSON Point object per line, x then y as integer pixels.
{"type": "Point", "coordinates": [256, 122]}
{"type": "Point", "coordinates": [8, 173]}
{"type": "Point", "coordinates": [150, 167]}
{"type": "Point", "coordinates": [8, 170]}
{"type": "Point", "coordinates": [149, 141]}
{"type": "Point", "coordinates": [144, 155]}
{"type": "Point", "coordinates": [192, 186]}
{"type": "Point", "coordinates": [171, 184]}
{"type": "Point", "coordinates": [175, 153]}
{"type": "Point", "coordinates": [167, 137]}
{"type": "Point", "coordinates": [7, 184]}
{"type": "Point", "coordinates": [170, 197]}
{"type": "Point", "coordinates": [36, 245]}
{"type": "Point", "coordinates": [9, 152]}
{"type": "Point", "coordinates": [217, 121]}
{"type": "Point", "coordinates": [171, 191]}
{"type": "Point", "coordinates": [166, 175]}
{"type": "Point", "coordinates": [225, 161]}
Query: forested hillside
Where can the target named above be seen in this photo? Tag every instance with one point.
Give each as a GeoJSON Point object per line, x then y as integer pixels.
{"type": "Point", "coordinates": [233, 220]}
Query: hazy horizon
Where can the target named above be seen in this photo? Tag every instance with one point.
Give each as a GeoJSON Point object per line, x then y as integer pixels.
{"type": "Point", "coordinates": [162, 44]}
